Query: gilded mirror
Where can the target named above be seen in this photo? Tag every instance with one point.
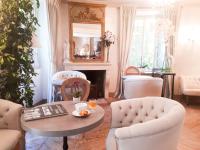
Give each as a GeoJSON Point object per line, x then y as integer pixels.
{"type": "Point", "coordinates": [86, 30]}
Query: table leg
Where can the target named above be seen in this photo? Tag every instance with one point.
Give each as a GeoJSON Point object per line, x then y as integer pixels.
{"type": "Point", "coordinates": [164, 86]}
{"type": "Point", "coordinates": [172, 96]}
{"type": "Point", "coordinates": [65, 145]}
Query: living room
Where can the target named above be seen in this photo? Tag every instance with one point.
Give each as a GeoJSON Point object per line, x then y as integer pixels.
{"type": "Point", "coordinates": [106, 74]}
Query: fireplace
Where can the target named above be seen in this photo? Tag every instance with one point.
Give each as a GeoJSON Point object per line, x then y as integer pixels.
{"type": "Point", "coordinates": [94, 70]}
{"type": "Point", "coordinates": [97, 79]}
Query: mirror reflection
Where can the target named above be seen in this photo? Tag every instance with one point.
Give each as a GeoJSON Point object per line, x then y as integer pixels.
{"type": "Point", "coordinates": [87, 40]}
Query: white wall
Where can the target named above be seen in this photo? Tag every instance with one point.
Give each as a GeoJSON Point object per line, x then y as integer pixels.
{"type": "Point", "coordinates": [187, 52]}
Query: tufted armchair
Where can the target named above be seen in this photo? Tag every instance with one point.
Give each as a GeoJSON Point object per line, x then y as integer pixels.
{"type": "Point", "coordinates": [10, 127]}
{"type": "Point", "coordinates": [60, 77]}
{"type": "Point", "coordinates": [149, 123]}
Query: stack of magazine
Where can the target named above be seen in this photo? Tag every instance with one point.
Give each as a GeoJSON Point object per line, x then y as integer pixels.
{"type": "Point", "coordinates": [44, 111]}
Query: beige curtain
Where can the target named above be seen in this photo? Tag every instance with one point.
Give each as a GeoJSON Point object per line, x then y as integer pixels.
{"type": "Point", "coordinates": [127, 18]}
{"type": "Point", "coordinates": [53, 7]}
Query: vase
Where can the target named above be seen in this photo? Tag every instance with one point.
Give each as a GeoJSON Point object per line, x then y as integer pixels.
{"type": "Point", "coordinates": [107, 49]}
{"type": "Point", "coordinates": [76, 99]}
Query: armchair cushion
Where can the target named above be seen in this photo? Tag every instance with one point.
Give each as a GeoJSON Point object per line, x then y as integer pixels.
{"type": "Point", "coordinates": [9, 139]}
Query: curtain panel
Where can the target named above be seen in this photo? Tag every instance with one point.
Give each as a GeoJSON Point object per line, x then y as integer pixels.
{"type": "Point", "coordinates": [53, 7]}
{"type": "Point", "coordinates": [171, 14]}
{"type": "Point", "coordinates": [127, 18]}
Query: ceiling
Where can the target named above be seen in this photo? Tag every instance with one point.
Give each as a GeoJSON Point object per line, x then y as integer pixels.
{"type": "Point", "coordinates": [138, 2]}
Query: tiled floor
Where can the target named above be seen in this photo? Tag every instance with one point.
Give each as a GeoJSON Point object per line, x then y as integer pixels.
{"type": "Point", "coordinates": [95, 139]}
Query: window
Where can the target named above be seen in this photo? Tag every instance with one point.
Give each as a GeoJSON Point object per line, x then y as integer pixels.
{"type": "Point", "coordinates": [148, 47]}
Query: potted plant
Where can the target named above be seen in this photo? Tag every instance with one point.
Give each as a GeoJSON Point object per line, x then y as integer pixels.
{"type": "Point", "coordinates": [17, 25]}
{"type": "Point", "coordinates": [76, 92]}
{"type": "Point", "coordinates": [108, 39]}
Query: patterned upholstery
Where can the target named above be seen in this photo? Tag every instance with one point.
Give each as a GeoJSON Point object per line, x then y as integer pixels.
{"type": "Point", "coordinates": [152, 119]}
{"type": "Point", "coordinates": [59, 77]}
{"type": "Point", "coordinates": [10, 127]}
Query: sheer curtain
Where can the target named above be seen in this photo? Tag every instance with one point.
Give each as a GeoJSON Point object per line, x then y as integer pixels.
{"type": "Point", "coordinates": [167, 29]}
{"type": "Point", "coordinates": [127, 18]}
{"type": "Point", "coordinates": [53, 7]}
{"type": "Point", "coordinates": [171, 14]}
{"type": "Point", "coordinates": [146, 47]}
{"type": "Point", "coordinates": [54, 23]}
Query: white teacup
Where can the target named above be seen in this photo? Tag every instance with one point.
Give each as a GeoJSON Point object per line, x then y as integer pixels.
{"type": "Point", "coordinates": [80, 106]}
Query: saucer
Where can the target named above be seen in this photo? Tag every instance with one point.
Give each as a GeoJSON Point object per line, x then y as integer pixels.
{"type": "Point", "coordinates": [77, 114]}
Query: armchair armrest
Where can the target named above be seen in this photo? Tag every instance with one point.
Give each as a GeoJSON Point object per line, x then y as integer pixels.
{"type": "Point", "coordinates": [11, 113]}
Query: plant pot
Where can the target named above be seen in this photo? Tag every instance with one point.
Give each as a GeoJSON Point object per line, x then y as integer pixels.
{"type": "Point", "coordinates": [76, 99]}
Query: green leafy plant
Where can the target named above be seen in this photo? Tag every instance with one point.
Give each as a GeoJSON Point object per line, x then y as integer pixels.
{"type": "Point", "coordinates": [17, 25]}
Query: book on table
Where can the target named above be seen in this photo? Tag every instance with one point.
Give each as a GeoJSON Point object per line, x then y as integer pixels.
{"type": "Point", "coordinates": [44, 111]}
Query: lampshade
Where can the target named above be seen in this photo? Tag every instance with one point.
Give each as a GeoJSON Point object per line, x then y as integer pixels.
{"type": "Point", "coordinates": [35, 41]}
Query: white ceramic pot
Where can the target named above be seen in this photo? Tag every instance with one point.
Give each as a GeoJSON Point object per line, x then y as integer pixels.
{"type": "Point", "coordinates": [76, 99]}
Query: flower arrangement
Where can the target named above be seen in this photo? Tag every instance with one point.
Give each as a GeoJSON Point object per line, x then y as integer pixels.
{"type": "Point", "coordinates": [76, 91]}
{"type": "Point", "coordinates": [108, 39]}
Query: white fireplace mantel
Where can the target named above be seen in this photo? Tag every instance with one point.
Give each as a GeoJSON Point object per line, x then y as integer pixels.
{"type": "Point", "coordinates": [92, 66]}
{"type": "Point", "coordinates": [87, 66]}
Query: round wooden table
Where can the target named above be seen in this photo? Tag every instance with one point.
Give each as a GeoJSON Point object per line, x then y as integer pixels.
{"type": "Point", "coordinates": [63, 126]}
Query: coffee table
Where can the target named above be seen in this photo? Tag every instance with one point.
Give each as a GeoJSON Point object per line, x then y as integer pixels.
{"type": "Point", "coordinates": [63, 126]}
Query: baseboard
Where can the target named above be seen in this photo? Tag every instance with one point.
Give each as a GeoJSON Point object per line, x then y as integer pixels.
{"type": "Point", "coordinates": [43, 101]}
{"type": "Point", "coordinates": [193, 100]}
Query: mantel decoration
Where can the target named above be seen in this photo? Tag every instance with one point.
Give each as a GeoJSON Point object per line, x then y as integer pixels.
{"type": "Point", "coordinates": [108, 39]}
{"type": "Point", "coordinates": [76, 92]}
{"type": "Point", "coordinates": [17, 25]}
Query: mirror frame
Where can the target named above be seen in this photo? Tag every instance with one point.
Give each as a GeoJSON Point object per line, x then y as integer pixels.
{"type": "Point", "coordinates": [75, 6]}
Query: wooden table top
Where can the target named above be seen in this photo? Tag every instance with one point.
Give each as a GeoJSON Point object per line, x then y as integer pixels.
{"type": "Point", "coordinates": [64, 125]}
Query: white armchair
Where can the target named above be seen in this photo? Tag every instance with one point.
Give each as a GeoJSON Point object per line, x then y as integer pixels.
{"type": "Point", "coordinates": [190, 86]}
{"type": "Point", "coordinates": [141, 86]}
{"type": "Point", "coordinates": [10, 126]}
{"type": "Point", "coordinates": [60, 77]}
{"type": "Point", "coordinates": [149, 123]}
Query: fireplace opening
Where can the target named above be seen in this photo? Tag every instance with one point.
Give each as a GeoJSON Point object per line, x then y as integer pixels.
{"type": "Point", "coordinates": [97, 79]}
